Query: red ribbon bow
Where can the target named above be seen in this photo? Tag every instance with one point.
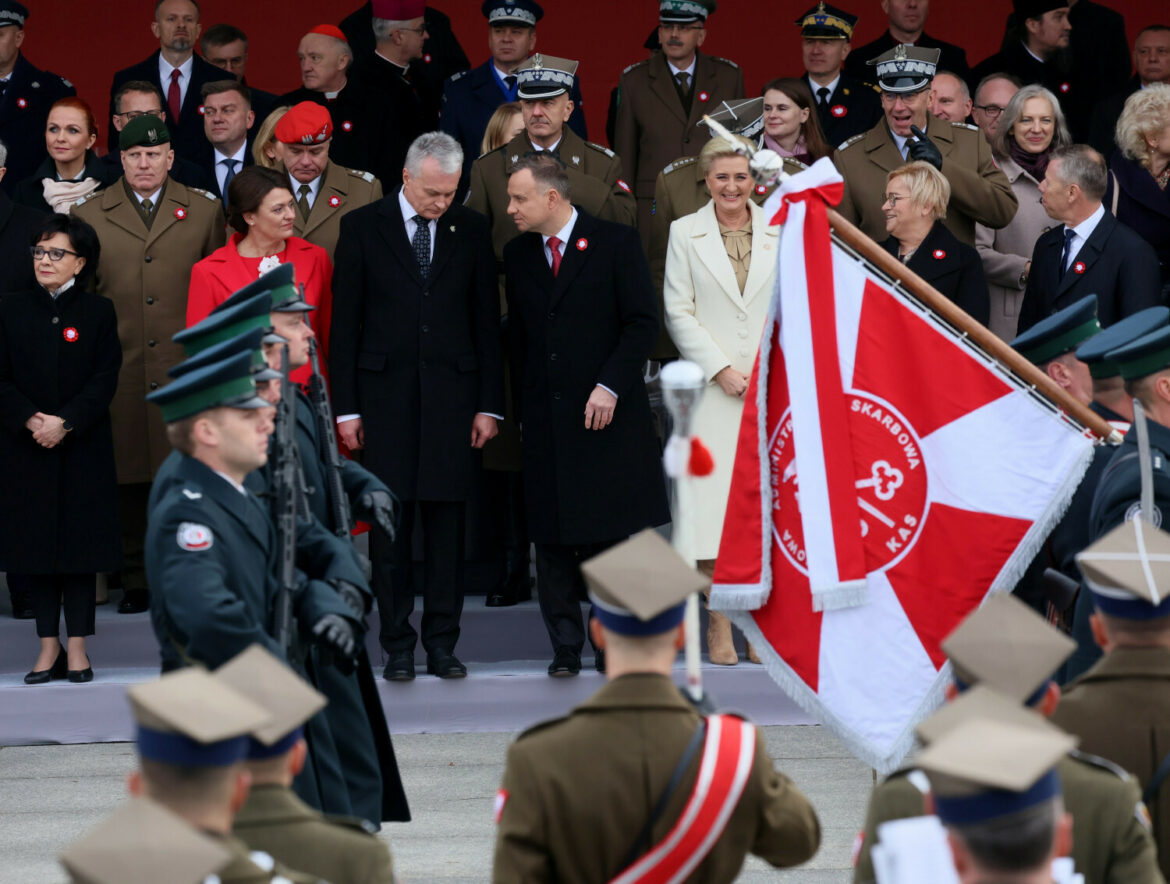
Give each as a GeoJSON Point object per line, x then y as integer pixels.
{"type": "Point", "coordinates": [828, 194]}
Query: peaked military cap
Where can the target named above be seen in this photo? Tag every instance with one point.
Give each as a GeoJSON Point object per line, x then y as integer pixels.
{"type": "Point", "coordinates": [288, 699]}
{"type": "Point", "coordinates": [12, 14]}
{"type": "Point", "coordinates": [640, 586]}
{"type": "Point", "coordinates": [145, 131]}
{"type": "Point", "coordinates": [1143, 356]}
{"type": "Point", "coordinates": [1007, 646]}
{"type": "Point", "coordinates": [229, 383]}
{"type": "Point", "coordinates": [740, 116]}
{"type": "Point", "coordinates": [250, 342]}
{"type": "Point", "coordinates": [1093, 351]}
{"type": "Point", "coordinates": [685, 11]}
{"type": "Point", "coordinates": [543, 76]}
{"type": "Point", "coordinates": [906, 68]}
{"type": "Point", "coordinates": [1060, 333]}
{"type": "Point", "coordinates": [825, 22]}
{"type": "Point", "coordinates": [224, 324]}
{"type": "Point", "coordinates": [516, 12]}
{"type": "Point", "coordinates": [1128, 571]}
{"type": "Point", "coordinates": [190, 718]}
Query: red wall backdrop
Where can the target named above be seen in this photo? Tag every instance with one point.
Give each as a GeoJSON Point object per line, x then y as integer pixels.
{"type": "Point", "coordinates": [86, 42]}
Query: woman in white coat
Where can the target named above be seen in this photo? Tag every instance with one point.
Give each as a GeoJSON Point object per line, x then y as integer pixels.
{"type": "Point", "coordinates": [720, 267]}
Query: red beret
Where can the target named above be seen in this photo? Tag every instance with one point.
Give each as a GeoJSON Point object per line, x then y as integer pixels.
{"type": "Point", "coordinates": [305, 123]}
{"type": "Point", "coordinates": [329, 31]}
{"type": "Point", "coordinates": [398, 10]}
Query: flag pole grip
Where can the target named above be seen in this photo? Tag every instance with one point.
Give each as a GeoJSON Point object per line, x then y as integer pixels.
{"type": "Point", "coordinates": [938, 303]}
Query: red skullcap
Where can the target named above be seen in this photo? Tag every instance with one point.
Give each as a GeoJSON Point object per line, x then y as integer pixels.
{"type": "Point", "coordinates": [329, 31]}
{"type": "Point", "coordinates": [305, 123]}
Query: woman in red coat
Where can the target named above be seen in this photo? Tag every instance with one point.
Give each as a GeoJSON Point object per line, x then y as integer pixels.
{"type": "Point", "coordinates": [262, 210]}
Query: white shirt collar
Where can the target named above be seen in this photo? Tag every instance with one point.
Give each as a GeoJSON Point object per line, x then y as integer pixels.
{"type": "Point", "coordinates": [900, 141]}
{"type": "Point", "coordinates": [402, 68]}
{"type": "Point", "coordinates": [165, 68]}
{"type": "Point", "coordinates": [65, 286]}
{"type": "Point", "coordinates": [501, 74]}
{"type": "Point", "coordinates": [687, 70]}
{"type": "Point", "coordinates": [564, 233]}
{"type": "Point", "coordinates": [238, 155]}
{"type": "Point", "coordinates": [240, 488]}
{"type": "Point", "coordinates": [153, 197]}
{"type": "Point", "coordinates": [832, 87]}
{"type": "Point", "coordinates": [537, 148]}
{"type": "Point", "coordinates": [1085, 229]}
{"type": "Point", "coordinates": [1028, 50]}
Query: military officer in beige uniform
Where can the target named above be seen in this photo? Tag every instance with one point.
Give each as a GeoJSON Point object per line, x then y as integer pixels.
{"type": "Point", "coordinates": [1006, 648]}
{"type": "Point", "coordinates": [662, 100]}
{"type": "Point", "coordinates": [325, 192]}
{"type": "Point", "coordinates": [153, 230]}
{"type": "Point", "coordinates": [980, 192]}
{"type": "Point", "coordinates": [594, 172]}
{"type": "Point", "coordinates": [636, 732]}
{"type": "Point", "coordinates": [341, 850]}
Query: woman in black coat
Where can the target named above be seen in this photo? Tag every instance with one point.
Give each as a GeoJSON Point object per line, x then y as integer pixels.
{"type": "Point", "coordinates": [59, 363]}
{"type": "Point", "coordinates": [916, 202]}
{"type": "Point", "coordinates": [71, 170]}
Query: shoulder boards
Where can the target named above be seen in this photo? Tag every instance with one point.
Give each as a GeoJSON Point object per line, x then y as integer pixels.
{"type": "Point", "coordinates": [872, 86]}
{"type": "Point", "coordinates": [680, 164]}
{"type": "Point", "coordinates": [352, 822]}
{"type": "Point", "coordinates": [636, 64]}
{"type": "Point", "coordinates": [540, 726]}
{"type": "Point", "coordinates": [726, 61]}
{"type": "Point", "coordinates": [207, 193]}
{"type": "Point", "coordinates": [965, 126]}
{"type": "Point", "coordinates": [368, 177]}
{"type": "Point", "coordinates": [66, 82]}
{"type": "Point", "coordinates": [604, 150]}
{"type": "Point", "coordinates": [85, 199]}
{"type": "Point", "coordinates": [454, 77]}
{"type": "Point", "coordinates": [853, 140]}
{"type": "Point", "coordinates": [1102, 763]}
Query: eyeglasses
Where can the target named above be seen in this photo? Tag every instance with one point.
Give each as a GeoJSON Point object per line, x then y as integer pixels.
{"type": "Point", "coordinates": [671, 28]}
{"type": "Point", "coordinates": [54, 254]}
{"type": "Point", "coordinates": [420, 31]}
{"type": "Point", "coordinates": [992, 110]}
{"type": "Point", "coordinates": [892, 198]}
{"type": "Point", "coordinates": [134, 115]}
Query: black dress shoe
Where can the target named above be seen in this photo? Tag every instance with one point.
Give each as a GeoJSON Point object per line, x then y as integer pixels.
{"type": "Point", "coordinates": [58, 670]}
{"type": "Point", "coordinates": [81, 676]}
{"type": "Point", "coordinates": [565, 663]}
{"type": "Point", "coordinates": [134, 601]}
{"type": "Point", "coordinates": [516, 587]}
{"type": "Point", "coordinates": [445, 665]}
{"type": "Point", "coordinates": [400, 667]}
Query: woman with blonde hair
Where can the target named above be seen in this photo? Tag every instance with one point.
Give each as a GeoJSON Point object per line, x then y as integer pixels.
{"type": "Point", "coordinates": [1139, 194]}
{"type": "Point", "coordinates": [505, 124]}
{"type": "Point", "coordinates": [915, 204]}
{"type": "Point", "coordinates": [264, 144]}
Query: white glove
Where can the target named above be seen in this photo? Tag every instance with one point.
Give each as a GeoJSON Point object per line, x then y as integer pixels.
{"type": "Point", "coordinates": [766, 166]}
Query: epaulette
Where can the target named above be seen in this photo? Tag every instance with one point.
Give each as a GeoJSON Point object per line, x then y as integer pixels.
{"type": "Point", "coordinates": [873, 86]}
{"type": "Point", "coordinates": [636, 64]}
{"type": "Point", "coordinates": [66, 82]}
{"type": "Point", "coordinates": [853, 140]}
{"type": "Point", "coordinates": [604, 150]}
{"type": "Point", "coordinates": [357, 824]}
{"type": "Point", "coordinates": [85, 199]}
{"type": "Point", "coordinates": [207, 193]}
{"type": "Point", "coordinates": [1104, 763]}
{"type": "Point", "coordinates": [539, 726]}
{"type": "Point", "coordinates": [454, 77]}
{"type": "Point", "coordinates": [965, 126]}
{"type": "Point", "coordinates": [368, 177]}
{"type": "Point", "coordinates": [726, 61]}
{"type": "Point", "coordinates": [680, 164]}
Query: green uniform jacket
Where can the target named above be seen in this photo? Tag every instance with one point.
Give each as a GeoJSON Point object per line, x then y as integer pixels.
{"type": "Point", "coordinates": [342, 850]}
{"type": "Point", "coordinates": [595, 183]}
{"type": "Point", "coordinates": [571, 822]}
{"type": "Point", "coordinates": [146, 273]}
{"type": "Point", "coordinates": [255, 867]}
{"type": "Point", "coordinates": [980, 191]}
{"type": "Point", "coordinates": [342, 190]}
{"type": "Point", "coordinates": [1112, 843]}
{"type": "Point", "coordinates": [1129, 686]}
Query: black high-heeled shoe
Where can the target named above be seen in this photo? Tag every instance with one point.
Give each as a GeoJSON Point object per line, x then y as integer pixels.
{"type": "Point", "coordinates": [80, 676]}
{"type": "Point", "coordinates": [59, 670]}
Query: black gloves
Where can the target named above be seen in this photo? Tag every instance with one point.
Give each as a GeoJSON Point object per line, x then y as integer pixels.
{"type": "Point", "coordinates": [356, 600]}
{"type": "Point", "coordinates": [334, 633]}
{"type": "Point", "coordinates": [381, 507]}
{"type": "Point", "coordinates": [920, 147]}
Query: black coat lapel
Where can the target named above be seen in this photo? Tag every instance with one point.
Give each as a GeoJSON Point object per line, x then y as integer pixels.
{"type": "Point", "coordinates": [446, 230]}
{"type": "Point", "coordinates": [1088, 254]}
{"type": "Point", "coordinates": [577, 250]}
{"type": "Point", "coordinates": [393, 230]}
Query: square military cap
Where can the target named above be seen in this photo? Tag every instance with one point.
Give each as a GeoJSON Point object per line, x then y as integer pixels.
{"type": "Point", "coordinates": [12, 14]}
{"type": "Point", "coordinates": [512, 12]}
{"type": "Point", "coordinates": [1060, 333]}
{"type": "Point", "coordinates": [1128, 571]}
{"type": "Point", "coordinates": [671, 12]}
{"type": "Point", "coordinates": [639, 587]}
{"type": "Point", "coordinates": [288, 699]}
{"type": "Point", "coordinates": [1093, 352]}
{"type": "Point", "coordinates": [226, 324]}
{"type": "Point", "coordinates": [145, 131]}
{"type": "Point", "coordinates": [544, 76]}
{"type": "Point", "coordinates": [825, 22]}
{"type": "Point", "coordinates": [906, 68]}
{"type": "Point", "coordinates": [249, 341]}
{"type": "Point", "coordinates": [740, 116]}
{"type": "Point", "coordinates": [986, 769]}
{"type": "Point", "coordinates": [1144, 356]}
{"type": "Point", "coordinates": [229, 383]}
{"type": "Point", "coordinates": [1007, 646]}
{"type": "Point", "coordinates": [979, 702]}
{"type": "Point", "coordinates": [191, 718]}
{"type": "Point", "coordinates": [144, 843]}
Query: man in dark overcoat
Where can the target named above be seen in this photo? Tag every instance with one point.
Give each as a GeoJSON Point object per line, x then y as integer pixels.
{"type": "Point", "coordinates": [417, 381]}
{"type": "Point", "coordinates": [584, 319]}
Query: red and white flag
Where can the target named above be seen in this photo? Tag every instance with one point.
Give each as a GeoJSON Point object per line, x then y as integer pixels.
{"type": "Point", "coordinates": [888, 477]}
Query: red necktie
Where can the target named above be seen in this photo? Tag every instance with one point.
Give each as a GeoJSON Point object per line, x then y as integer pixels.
{"type": "Point", "coordinates": [174, 95]}
{"type": "Point", "coordinates": [554, 246]}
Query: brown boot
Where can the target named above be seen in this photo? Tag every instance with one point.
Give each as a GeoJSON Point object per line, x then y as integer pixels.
{"type": "Point", "coordinates": [720, 648]}
{"type": "Point", "coordinates": [752, 656]}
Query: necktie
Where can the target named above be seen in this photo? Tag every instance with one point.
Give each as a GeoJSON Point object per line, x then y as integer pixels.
{"type": "Point", "coordinates": [510, 83]}
{"type": "Point", "coordinates": [684, 81]}
{"type": "Point", "coordinates": [230, 165]}
{"type": "Point", "coordinates": [146, 210]}
{"type": "Point", "coordinates": [147, 206]}
{"type": "Point", "coordinates": [1066, 252]}
{"type": "Point", "coordinates": [823, 96]}
{"type": "Point", "coordinates": [422, 244]}
{"type": "Point", "coordinates": [554, 247]}
{"type": "Point", "coordinates": [175, 95]}
{"type": "Point", "coordinates": [303, 200]}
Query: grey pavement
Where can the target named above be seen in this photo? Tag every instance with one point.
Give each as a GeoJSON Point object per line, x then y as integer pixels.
{"type": "Point", "coordinates": [50, 796]}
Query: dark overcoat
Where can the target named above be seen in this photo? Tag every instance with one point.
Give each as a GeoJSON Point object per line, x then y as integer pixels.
{"type": "Point", "coordinates": [17, 224]}
{"type": "Point", "coordinates": [58, 506]}
{"type": "Point", "coordinates": [417, 359]}
{"type": "Point", "coordinates": [952, 267]}
{"type": "Point", "coordinates": [594, 323]}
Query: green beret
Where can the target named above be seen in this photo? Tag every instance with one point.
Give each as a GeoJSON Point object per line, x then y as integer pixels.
{"type": "Point", "coordinates": [144, 131]}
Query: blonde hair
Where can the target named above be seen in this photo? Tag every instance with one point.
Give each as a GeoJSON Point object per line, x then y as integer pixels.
{"type": "Point", "coordinates": [266, 137]}
{"type": "Point", "coordinates": [497, 128]}
{"type": "Point", "coordinates": [1146, 112]}
{"type": "Point", "coordinates": [717, 148]}
{"type": "Point", "coordinates": [928, 186]}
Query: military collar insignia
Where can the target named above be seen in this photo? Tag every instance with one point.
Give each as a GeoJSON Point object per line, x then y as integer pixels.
{"type": "Point", "coordinates": [515, 158]}
{"type": "Point", "coordinates": [576, 161]}
{"type": "Point", "coordinates": [192, 495]}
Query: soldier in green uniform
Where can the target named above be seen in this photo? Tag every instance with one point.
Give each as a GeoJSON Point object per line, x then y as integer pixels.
{"type": "Point", "coordinates": [192, 740]}
{"type": "Point", "coordinates": [640, 739]}
{"type": "Point", "coordinates": [1120, 708]}
{"type": "Point", "coordinates": [1008, 648]}
{"type": "Point", "coordinates": [341, 850]}
{"type": "Point", "coordinates": [980, 192]}
{"type": "Point", "coordinates": [595, 172]}
{"type": "Point", "coordinates": [153, 231]}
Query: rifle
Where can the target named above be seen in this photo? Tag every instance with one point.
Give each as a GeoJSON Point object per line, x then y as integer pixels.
{"type": "Point", "coordinates": [285, 482]}
{"type": "Point", "coordinates": [323, 411]}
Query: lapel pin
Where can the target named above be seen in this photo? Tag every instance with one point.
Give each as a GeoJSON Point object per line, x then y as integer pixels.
{"type": "Point", "coordinates": [838, 110]}
{"type": "Point", "coordinates": [515, 158]}
{"type": "Point", "coordinates": [761, 189]}
{"type": "Point", "coordinates": [939, 254]}
{"type": "Point", "coordinates": [704, 97]}
{"type": "Point", "coordinates": [22, 103]}
{"type": "Point", "coordinates": [180, 213]}
{"type": "Point", "coordinates": [1079, 267]}
{"type": "Point", "coordinates": [335, 201]}
{"type": "Point", "coordinates": [452, 228]}
{"type": "Point", "coordinates": [70, 334]}
{"type": "Point", "coordinates": [576, 161]}
{"type": "Point", "coordinates": [623, 186]}
{"type": "Point", "coordinates": [1064, 87]}
{"type": "Point", "coordinates": [582, 244]}
{"type": "Point", "coordinates": [347, 126]}
{"type": "Point", "coordinates": [427, 58]}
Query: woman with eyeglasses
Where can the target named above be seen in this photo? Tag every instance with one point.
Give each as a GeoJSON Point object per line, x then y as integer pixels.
{"type": "Point", "coordinates": [915, 204]}
{"type": "Point", "coordinates": [59, 363]}
{"type": "Point", "coordinates": [71, 171]}
{"type": "Point", "coordinates": [1030, 128]}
